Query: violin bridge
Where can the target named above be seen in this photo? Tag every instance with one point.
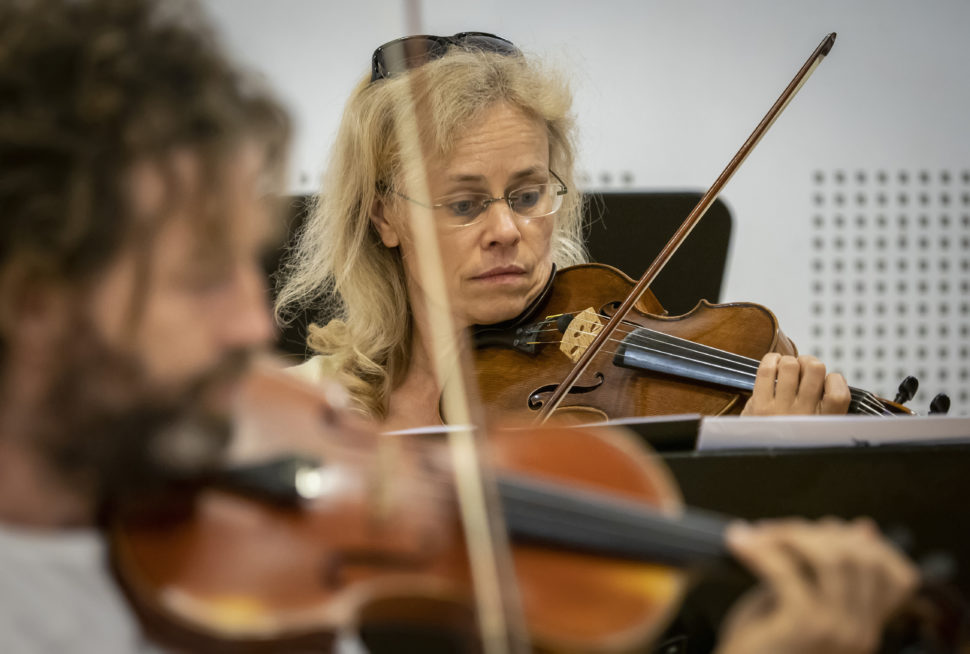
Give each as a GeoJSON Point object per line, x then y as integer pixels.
{"type": "Point", "coordinates": [580, 332]}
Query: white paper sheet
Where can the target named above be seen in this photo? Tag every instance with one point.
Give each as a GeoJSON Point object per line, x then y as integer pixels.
{"type": "Point", "coordinates": [786, 432]}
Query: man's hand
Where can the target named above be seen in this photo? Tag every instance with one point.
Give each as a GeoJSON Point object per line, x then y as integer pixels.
{"type": "Point", "coordinates": [827, 588]}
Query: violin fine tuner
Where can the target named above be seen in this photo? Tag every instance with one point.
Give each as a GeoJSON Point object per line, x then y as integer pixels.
{"type": "Point", "coordinates": [907, 389]}
{"type": "Point", "coordinates": [940, 404]}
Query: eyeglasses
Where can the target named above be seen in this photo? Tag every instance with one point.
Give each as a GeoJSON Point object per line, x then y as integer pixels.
{"type": "Point", "coordinates": [401, 55]}
{"type": "Point", "coordinates": [466, 209]}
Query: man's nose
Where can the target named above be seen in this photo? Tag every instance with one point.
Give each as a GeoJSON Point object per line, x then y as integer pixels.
{"type": "Point", "coordinates": [250, 323]}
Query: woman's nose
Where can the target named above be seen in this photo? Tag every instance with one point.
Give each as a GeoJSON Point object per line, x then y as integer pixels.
{"type": "Point", "coordinates": [501, 225]}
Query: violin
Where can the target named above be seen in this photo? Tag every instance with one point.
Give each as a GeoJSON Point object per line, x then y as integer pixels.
{"type": "Point", "coordinates": [701, 362]}
{"type": "Point", "coordinates": [286, 551]}
{"type": "Point", "coordinates": [597, 346]}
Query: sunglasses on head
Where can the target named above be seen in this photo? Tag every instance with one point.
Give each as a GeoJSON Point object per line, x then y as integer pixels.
{"type": "Point", "coordinates": [401, 55]}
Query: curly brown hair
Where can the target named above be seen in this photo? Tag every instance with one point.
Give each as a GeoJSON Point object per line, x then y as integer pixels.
{"type": "Point", "coordinates": [88, 88]}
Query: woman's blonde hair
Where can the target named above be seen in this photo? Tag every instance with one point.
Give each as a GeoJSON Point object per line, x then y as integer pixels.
{"type": "Point", "coordinates": [339, 265]}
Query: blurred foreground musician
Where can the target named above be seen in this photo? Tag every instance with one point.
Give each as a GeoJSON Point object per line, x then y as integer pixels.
{"type": "Point", "coordinates": [499, 159]}
{"type": "Point", "coordinates": [133, 160]}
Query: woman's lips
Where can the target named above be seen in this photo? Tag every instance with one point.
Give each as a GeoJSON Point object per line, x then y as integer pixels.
{"type": "Point", "coordinates": [502, 274]}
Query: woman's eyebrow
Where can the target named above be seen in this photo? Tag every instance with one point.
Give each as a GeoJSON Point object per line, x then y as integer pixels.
{"type": "Point", "coordinates": [526, 172]}
{"type": "Point", "coordinates": [466, 178]}
{"type": "Point", "coordinates": [529, 172]}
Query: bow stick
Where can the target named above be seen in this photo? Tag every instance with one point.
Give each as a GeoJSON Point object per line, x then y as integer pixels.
{"type": "Point", "coordinates": [685, 229]}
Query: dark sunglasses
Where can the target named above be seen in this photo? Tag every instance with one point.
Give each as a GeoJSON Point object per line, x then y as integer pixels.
{"type": "Point", "coordinates": [395, 57]}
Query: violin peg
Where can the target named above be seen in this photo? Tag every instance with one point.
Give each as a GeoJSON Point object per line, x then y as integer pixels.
{"type": "Point", "coordinates": [907, 389]}
{"type": "Point", "coordinates": [940, 404]}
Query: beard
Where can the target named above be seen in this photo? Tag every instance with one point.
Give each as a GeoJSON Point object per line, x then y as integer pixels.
{"type": "Point", "coordinates": [123, 441]}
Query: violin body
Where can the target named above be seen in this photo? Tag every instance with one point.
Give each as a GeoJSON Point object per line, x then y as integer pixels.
{"type": "Point", "coordinates": [241, 575]}
{"type": "Point", "coordinates": [513, 381]}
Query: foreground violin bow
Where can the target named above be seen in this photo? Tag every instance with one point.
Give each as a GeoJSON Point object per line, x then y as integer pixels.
{"type": "Point", "coordinates": [501, 626]}
{"type": "Point", "coordinates": [685, 229]}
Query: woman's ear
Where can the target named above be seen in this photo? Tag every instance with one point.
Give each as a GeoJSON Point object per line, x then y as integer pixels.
{"type": "Point", "coordinates": [379, 217]}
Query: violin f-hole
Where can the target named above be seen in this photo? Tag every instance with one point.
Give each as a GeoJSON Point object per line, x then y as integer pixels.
{"type": "Point", "coordinates": [536, 399]}
{"type": "Point", "coordinates": [610, 308]}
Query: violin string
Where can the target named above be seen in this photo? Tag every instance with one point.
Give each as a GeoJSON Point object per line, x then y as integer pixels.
{"type": "Point", "coordinates": [866, 401]}
{"type": "Point", "coordinates": [743, 365]}
{"type": "Point", "coordinates": [674, 340]}
{"type": "Point", "coordinates": [691, 346]}
{"type": "Point", "coordinates": [741, 362]}
{"type": "Point", "coordinates": [863, 401]}
{"type": "Point", "coordinates": [438, 486]}
{"type": "Point", "coordinates": [614, 520]}
{"type": "Point", "coordinates": [621, 341]}
{"type": "Point", "coordinates": [645, 334]}
{"type": "Point", "coordinates": [646, 348]}
{"type": "Point", "coordinates": [597, 519]}
{"type": "Point", "coordinates": [686, 344]}
{"type": "Point", "coordinates": [869, 400]}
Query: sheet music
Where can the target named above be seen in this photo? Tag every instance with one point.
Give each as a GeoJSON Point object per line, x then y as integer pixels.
{"type": "Point", "coordinates": [787, 432]}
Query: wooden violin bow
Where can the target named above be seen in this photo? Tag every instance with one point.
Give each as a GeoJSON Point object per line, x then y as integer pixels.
{"type": "Point", "coordinates": [685, 229]}
{"type": "Point", "coordinates": [498, 611]}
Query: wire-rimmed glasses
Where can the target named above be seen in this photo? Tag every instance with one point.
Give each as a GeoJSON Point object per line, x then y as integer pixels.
{"type": "Point", "coordinates": [467, 208]}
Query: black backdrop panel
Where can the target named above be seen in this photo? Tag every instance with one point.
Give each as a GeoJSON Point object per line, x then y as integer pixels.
{"type": "Point", "coordinates": [628, 230]}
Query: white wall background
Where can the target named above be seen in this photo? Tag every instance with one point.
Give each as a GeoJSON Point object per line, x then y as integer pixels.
{"type": "Point", "coordinates": [666, 91]}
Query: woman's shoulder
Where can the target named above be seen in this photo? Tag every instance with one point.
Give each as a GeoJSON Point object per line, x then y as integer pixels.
{"type": "Point", "coordinates": [315, 369]}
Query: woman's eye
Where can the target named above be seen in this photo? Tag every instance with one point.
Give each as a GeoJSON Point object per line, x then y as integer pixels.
{"type": "Point", "coordinates": [466, 208]}
{"type": "Point", "coordinates": [527, 198]}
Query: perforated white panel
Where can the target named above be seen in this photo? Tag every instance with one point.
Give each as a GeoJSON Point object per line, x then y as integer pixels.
{"type": "Point", "coordinates": [890, 271]}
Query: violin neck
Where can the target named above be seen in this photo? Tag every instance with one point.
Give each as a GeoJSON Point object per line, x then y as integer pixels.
{"type": "Point", "coordinates": [552, 515]}
{"type": "Point", "coordinates": [649, 350]}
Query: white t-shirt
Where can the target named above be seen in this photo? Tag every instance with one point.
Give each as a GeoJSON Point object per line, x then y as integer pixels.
{"type": "Point", "coordinates": [57, 596]}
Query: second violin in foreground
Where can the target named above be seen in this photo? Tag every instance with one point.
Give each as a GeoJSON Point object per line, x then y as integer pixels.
{"type": "Point", "coordinates": [370, 533]}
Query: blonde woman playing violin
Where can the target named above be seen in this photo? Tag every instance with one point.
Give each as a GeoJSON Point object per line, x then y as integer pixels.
{"type": "Point", "coordinates": [500, 175]}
